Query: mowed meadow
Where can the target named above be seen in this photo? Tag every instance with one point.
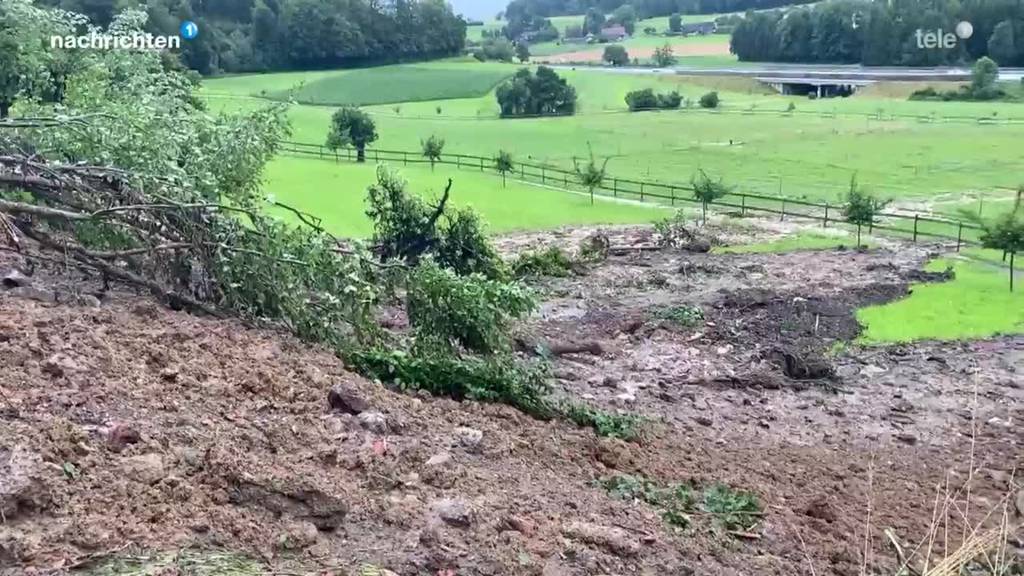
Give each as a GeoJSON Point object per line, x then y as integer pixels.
{"type": "Point", "coordinates": [931, 155]}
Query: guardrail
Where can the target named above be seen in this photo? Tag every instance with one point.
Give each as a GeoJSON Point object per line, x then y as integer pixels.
{"type": "Point", "coordinates": [914, 225]}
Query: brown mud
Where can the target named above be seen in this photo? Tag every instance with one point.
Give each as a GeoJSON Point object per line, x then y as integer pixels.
{"type": "Point", "coordinates": [124, 425]}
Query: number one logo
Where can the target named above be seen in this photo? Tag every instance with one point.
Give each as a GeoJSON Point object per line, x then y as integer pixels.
{"type": "Point", "coordinates": [189, 30]}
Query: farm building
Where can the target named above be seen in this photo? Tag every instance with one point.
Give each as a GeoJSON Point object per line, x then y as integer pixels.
{"type": "Point", "coordinates": [613, 34]}
{"type": "Point", "coordinates": [699, 28]}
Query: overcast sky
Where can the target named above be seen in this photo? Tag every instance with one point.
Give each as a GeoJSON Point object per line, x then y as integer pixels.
{"type": "Point", "coordinates": [478, 9]}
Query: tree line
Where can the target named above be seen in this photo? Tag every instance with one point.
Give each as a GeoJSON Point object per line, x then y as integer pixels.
{"type": "Point", "coordinates": [524, 10]}
{"type": "Point", "coordinates": [263, 35]}
{"type": "Point", "coordinates": [879, 33]}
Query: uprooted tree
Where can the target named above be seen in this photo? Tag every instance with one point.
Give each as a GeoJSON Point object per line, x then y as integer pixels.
{"type": "Point", "coordinates": [141, 187]}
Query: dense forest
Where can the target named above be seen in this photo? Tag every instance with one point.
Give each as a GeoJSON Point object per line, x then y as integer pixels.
{"type": "Point", "coordinates": [879, 33]}
{"type": "Point", "coordinates": [524, 9]}
{"type": "Point", "coordinates": [258, 35]}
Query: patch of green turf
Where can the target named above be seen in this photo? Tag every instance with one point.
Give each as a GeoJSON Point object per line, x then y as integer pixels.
{"type": "Point", "coordinates": [977, 304]}
{"type": "Point", "coordinates": [336, 193]}
{"type": "Point", "coordinates": [392, 84]}
{"type": "Point", "coordinates": [796, 242]}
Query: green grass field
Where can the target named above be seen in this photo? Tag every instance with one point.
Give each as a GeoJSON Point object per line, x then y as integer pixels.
{"type": "Point", "coordinates": [801, 241]}
{"type": "Point", "coordinates": [336, 193]}
{"type": "Point", "coordinates": [977, 304]}
{"type": "Point", "coordinates": [751, 141]}
{"type": "Point", "coordinates": [391, 84]}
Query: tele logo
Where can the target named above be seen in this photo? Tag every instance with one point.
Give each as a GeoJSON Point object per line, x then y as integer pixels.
{"type": "Point", "coordinates": [942, 39]}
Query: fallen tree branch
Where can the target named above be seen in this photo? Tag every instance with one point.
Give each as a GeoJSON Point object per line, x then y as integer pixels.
{"type": "Point", "coordinates": [592, 347]}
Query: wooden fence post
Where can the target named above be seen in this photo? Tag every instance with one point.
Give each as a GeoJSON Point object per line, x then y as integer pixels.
{"type": "Point", "coordinates": [672, 191]}
{"type": "Point", "coordinates": [916, 217]}
{"type": "Point", "coordinates": [959, 236]}
{"type": "Point", "coordinates": [641, 191]}
{"type": "Point", "coordinates": [543, 175]}
{"type": "Point", "coordinates": [615, 187]}
{"type": "Point", "coordinates": [481, 163]}
{"type": "Point", "coordinates": [783, 215]}
{"type": "Point", "coordinates": [825, 225]}
{"type": "Point", "coordinates": [405, 158]}
{"type": "Point", "coordinates": [743, 205]}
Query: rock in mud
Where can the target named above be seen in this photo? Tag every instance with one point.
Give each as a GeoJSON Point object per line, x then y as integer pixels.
{"type": "Point", "coordinates": [22, 489]}
{"type": "Point", "coordinates": [16, 279]}
{"type": "Point", "coordinates": [373, 421]}
{"type": "Point", "coordinates": [803, 367]}
{"type": "Point", "coordinates": [147, 468]}
{"type": "Point", "coordinates": [120, 434]}
{"type": "Point", "coordinates": [344, 399]}
{"type": "Point", "coordinates": [439, 459]}
{"type": "Point", "coordinates": [615, 540]}
{"type": "Point", "coordinates": [518, 524]}
{"type": "Point", "coordinates": [289, 497]}
{"type": "Point", "coordinates": [469, 438]}
{"type": "Point", "coordinates": [454, 511]}
{"type": "Point", "coordinates": [58, 365]}
{"type": "Point", "coordinates": [298, 536]}
{"type": "Point", "coordinates": [32, 293]}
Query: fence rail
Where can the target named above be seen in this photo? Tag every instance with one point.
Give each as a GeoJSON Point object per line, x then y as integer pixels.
{"type": "Point", "coordinates": [915, 225]}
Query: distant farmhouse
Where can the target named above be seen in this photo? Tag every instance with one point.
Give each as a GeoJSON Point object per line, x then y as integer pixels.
{"type": "Point", "coordinates": [613, 34]}
{"type": "Point", "coordinates": [699, 28]}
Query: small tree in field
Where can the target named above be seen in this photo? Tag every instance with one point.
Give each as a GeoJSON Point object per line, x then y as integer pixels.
{"type": "Point", "coordinates": [523, 51]}
{"type": "Point", "coordinates": [616, 55]}
{"type": "Point", "coordinates": [664, 56]}
{"type": "Point", "coordinates": [433, 147]}
{"type": "Point", "coordinates": [709, 100]}
{"type": "Point", "coordinates": [707, 191]}
{"type": "Point", "coordinates": [862, 208]}
{"type": "Point", "coordinates": [352, 127]}
{"type": "Point", "coordinates": [1005, 232]}
{"type": "Point", "coordinates": [503, 164]}
{"type": "Point", "coordinates": [591, 176]}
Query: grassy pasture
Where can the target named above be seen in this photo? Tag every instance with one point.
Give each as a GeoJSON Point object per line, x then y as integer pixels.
{"type": "Point", "coordinates": [810, 153]}
{"type": "Point", "coordinates": [369, 86]}
{"type": "Point", "coordinates": [336, 193]}
{"type": "Point", "coordinates": [977, 304]}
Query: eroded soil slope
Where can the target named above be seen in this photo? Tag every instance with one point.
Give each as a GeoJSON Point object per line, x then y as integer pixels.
{"type": "Point", "coordinates": [124, 424]}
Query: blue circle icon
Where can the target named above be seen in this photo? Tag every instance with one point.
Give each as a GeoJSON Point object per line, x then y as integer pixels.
{"type": "Point", "coordinates": [189, 30]}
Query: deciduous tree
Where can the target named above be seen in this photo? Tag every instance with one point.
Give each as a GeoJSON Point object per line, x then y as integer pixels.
{"type": "Point", "coordinates": [352, 127]}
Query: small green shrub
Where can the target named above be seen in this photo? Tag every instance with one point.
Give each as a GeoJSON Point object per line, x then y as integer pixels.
{"type": "Point", "coordinates": [551, 262]}
{"type": "Point", "coordinates": [497, 379]}
{"type": "Point", "coordinates": [621, 426]}
{"type": "Point", "coordinates": [684, 316]}
{"type": "Point", "coordinates": [448, 311]}
{"type": "Point", "coordinates": [731, 509]}
{"type": "Point", "coordinates": [709, 100]}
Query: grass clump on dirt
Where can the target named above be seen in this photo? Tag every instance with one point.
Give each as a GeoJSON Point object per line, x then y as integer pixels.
{"type": "Point", "coordinates": [607, 424]}
{"type": "Point", "coordinates": [550, 262]}
{"type": "Point", "coordinates": [730, 510]}
{"type": "Point", "coordinates": [975, 304]}
{"type": "Point", "coordinates": [684, 316]}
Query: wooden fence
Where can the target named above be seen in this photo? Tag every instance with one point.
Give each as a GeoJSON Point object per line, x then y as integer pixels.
{"type": "Point", "coordinates": [913, 225]}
